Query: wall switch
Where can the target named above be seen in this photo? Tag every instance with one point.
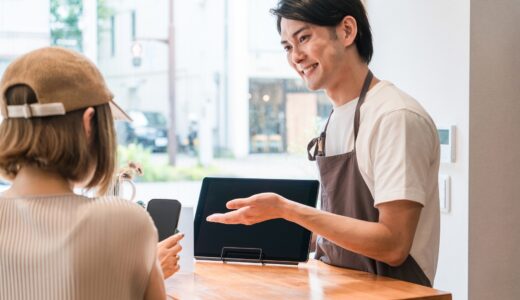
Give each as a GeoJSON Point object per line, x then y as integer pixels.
{"type": "Point", "coordinates": [447, 143]}
{"type": "Point", "coordinates": [444, 193]}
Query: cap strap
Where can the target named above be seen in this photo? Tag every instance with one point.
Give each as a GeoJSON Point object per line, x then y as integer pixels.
{"type": "Point", "coordinates": [35, 110]}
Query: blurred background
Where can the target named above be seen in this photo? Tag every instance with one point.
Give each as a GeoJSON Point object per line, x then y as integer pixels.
{"type": "Point", "coordinates": [206, 83]}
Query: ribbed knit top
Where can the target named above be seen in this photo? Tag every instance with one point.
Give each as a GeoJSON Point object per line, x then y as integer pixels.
{"type": "Point", "coordinates": [74, 247]}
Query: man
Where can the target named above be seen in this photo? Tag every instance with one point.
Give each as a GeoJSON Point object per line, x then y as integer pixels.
{"type": "Point", "coordinates": [378, 155]}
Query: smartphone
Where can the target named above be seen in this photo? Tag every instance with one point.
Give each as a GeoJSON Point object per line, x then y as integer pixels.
{"type": "Point", "coordinates": [165, 215]}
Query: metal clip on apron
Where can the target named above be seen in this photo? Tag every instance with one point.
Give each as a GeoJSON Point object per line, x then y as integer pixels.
{"type": "Point", "coordinates": [344, 192]}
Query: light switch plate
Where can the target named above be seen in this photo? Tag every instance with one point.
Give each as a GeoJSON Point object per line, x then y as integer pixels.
{"type": "Point", "coordinates": [445, 193]}
{"type": "Point", "coordinates": [447, 143]}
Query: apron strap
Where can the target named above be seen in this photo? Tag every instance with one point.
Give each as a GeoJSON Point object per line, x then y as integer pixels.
{"type": "Point", "coordinates": [362, 95]}
{"type": "Point", "coordinates": [318, 143]}
{"type": "Point", "coordinates": [327, 124]}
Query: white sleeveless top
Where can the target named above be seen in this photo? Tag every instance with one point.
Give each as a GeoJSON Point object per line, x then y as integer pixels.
{"type": "Point", "coordinates": [74, 247]}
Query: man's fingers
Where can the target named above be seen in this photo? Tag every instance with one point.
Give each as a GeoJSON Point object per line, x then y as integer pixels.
{"type": "Point", "coordinates": [172, 240]}
{"type": "Point", "coordinates": [238, 203]}
{"type": "Point", "coordinates": [232, 217]}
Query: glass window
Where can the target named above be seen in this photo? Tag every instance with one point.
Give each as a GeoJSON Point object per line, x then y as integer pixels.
{"type": "Point", "coordinates": [239, 110]}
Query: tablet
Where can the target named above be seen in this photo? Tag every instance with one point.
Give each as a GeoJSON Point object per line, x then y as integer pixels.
{"type": "Point", "coordinates": [273, 241]}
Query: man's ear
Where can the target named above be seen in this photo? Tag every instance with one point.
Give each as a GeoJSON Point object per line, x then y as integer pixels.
{"type": "Point", "coordinates": [87, 121]}
{"type": "Point", "coordinates": [347, 30]}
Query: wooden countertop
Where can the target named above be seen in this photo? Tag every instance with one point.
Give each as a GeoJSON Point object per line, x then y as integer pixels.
{"type": "Point", "coordinates": [312, 280]}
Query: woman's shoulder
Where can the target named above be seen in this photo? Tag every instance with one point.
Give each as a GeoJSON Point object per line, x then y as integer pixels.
{"type": "Point", "coordinates": [116, 213]}
{"type": "Point", "coordinates": [118, 207]}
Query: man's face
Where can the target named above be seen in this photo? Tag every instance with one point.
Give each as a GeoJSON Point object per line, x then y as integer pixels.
{"type": "Point", "coordinates": [313, 51]}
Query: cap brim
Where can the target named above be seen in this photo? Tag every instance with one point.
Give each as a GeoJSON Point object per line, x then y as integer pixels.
{"type": "Point", "coordinates": [118, 113]}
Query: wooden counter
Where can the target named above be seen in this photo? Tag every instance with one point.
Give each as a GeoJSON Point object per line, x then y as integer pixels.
{"type": "Point", "coordinates": [313, 280]}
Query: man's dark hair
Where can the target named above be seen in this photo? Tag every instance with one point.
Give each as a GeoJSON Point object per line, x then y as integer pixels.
{"type": "Point", "coordinates": [329, 13]}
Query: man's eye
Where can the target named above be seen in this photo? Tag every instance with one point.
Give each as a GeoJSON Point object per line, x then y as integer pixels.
{"type": "Point", "coordinates": [303, 38]}
{"type": "Point", "coordinates": [287, 48]}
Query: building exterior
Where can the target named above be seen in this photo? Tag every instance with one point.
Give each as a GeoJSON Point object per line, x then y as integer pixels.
{"type": "Point", "coordinates": [18, 36]}
{"type": "Point", "coordinates": [233, 85]}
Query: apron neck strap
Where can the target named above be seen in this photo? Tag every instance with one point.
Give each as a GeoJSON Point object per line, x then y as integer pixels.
{"type": "Point", "coordinates": [327, 124]}
{"type": "Point", "coordinates": [362, 95]}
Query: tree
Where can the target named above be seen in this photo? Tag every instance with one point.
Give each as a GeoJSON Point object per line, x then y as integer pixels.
{"type": "Point", "coordinates": [65, 24]}
{"type": "Point", "coordinates": [104, 12]}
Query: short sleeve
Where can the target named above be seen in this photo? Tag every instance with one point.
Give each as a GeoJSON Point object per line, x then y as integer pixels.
{"type": "Point", "coordinates": [402, 152]}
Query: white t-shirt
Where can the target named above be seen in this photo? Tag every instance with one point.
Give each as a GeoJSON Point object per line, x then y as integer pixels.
{"type": "Point", "coordinates": [398, 156]}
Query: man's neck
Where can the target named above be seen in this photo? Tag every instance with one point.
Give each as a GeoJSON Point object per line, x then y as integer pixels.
{"type": "Point", "coordinates": [31, 181]}
{"type": "Point", "coordinates": [348, 85]}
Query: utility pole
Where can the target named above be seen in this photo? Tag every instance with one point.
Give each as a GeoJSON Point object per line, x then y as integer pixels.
{"type": "Point", "coordinates": [136, 60]}
{"type": "Point", "coordinates": [172, 136]}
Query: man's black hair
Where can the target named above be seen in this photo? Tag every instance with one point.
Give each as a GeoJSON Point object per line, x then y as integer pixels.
{"type": "Point", "coordinates": [329, 13]}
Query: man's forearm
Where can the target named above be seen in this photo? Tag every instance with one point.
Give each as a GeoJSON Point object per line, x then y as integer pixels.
{"type": "Point", "coordinates": [370, 239]}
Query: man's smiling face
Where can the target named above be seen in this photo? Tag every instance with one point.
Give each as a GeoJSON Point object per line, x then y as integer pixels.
{"type": "Point", "coordinates": [313, 51]}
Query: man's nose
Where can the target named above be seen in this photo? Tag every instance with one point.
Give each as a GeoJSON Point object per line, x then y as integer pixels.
{"type": "Point", "coordinates": [297, 55]}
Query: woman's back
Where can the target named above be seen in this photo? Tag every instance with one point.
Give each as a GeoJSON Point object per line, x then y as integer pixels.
{"type": "Point", "coordinates": [73, 247]}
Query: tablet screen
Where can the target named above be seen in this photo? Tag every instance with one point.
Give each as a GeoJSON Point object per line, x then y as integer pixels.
{"type": "Point", "coordinates": [279, 240]}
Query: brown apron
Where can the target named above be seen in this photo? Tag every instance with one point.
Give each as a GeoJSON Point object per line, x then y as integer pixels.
{"type": "Point", "coordinates": [344, 192]}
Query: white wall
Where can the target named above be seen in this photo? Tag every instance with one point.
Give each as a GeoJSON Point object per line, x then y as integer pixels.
{"type": "Point", "coordinates": [423, 47]}
{"type": "Point", "coordinates": [88, 25]}
{"type": "Point", "coordinates": [24, 26]}
{"type": "Point", "coordinates": [238, 66]}
{"type": "Point", "coordinates": [267, 57]}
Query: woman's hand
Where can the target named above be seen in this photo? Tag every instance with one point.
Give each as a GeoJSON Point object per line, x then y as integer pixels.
{"type": "Point", "coordinates": [168, 254]}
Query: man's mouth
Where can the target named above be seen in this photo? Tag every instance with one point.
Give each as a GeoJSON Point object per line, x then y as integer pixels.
{"type": "Point", "coordinates": [308, 69]}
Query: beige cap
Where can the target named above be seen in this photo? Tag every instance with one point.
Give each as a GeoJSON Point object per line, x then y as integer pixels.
{"type": "Point", "coordinates": [63, 81]}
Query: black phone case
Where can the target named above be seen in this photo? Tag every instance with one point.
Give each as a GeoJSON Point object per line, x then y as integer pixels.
{"type": "Point", "coordinates": [165, 215]}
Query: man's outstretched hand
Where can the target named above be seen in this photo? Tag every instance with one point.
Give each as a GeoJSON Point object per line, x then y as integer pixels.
{"type": "Point", "coordinates": [251, 210]}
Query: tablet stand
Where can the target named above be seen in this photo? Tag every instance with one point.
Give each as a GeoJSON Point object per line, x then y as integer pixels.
{"type": "Point", "coordinates": [253, 255]}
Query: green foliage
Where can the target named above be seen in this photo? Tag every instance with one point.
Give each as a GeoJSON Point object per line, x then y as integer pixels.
{"type": "Point", "coordinates": [153, 172]}
{"type": "Point", "coordinates": [104, 12]}
{"type": "Point", "coordinates": [223, 153]}
{"type": "Point", "coordinates": [65, 17]}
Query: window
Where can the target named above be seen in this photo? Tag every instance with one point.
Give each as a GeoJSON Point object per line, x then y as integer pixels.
{"type": "Point", "coordinates": [240, 110]}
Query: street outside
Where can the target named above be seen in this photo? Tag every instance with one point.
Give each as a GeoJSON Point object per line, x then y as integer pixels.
{"type": "Point", "coordinates": [283, 166]}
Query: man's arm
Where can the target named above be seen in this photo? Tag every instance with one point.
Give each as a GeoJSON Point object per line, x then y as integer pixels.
{"type": "Point", "coordinates": [389, 240]}
{"type": "Point", "coordinates": [314, 240]}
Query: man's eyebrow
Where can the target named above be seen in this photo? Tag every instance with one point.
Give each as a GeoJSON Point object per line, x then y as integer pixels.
{"type": "Point", "coordinates": [296, 33]}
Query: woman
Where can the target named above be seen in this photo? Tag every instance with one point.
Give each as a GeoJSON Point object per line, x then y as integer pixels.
{"type": "Point", "coordinates": [57, 134]}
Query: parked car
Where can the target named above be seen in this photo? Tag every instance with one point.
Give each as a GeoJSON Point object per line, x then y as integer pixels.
{"type": "Point", "coordinates": [148, 129]}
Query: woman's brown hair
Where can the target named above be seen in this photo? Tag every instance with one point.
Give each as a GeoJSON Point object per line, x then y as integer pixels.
{"type": "Point", "coordinates": [59, 143]}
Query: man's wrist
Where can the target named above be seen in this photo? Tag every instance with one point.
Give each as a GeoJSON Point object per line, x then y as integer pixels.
{"type": "Point", "coordinates": [287, 208]}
